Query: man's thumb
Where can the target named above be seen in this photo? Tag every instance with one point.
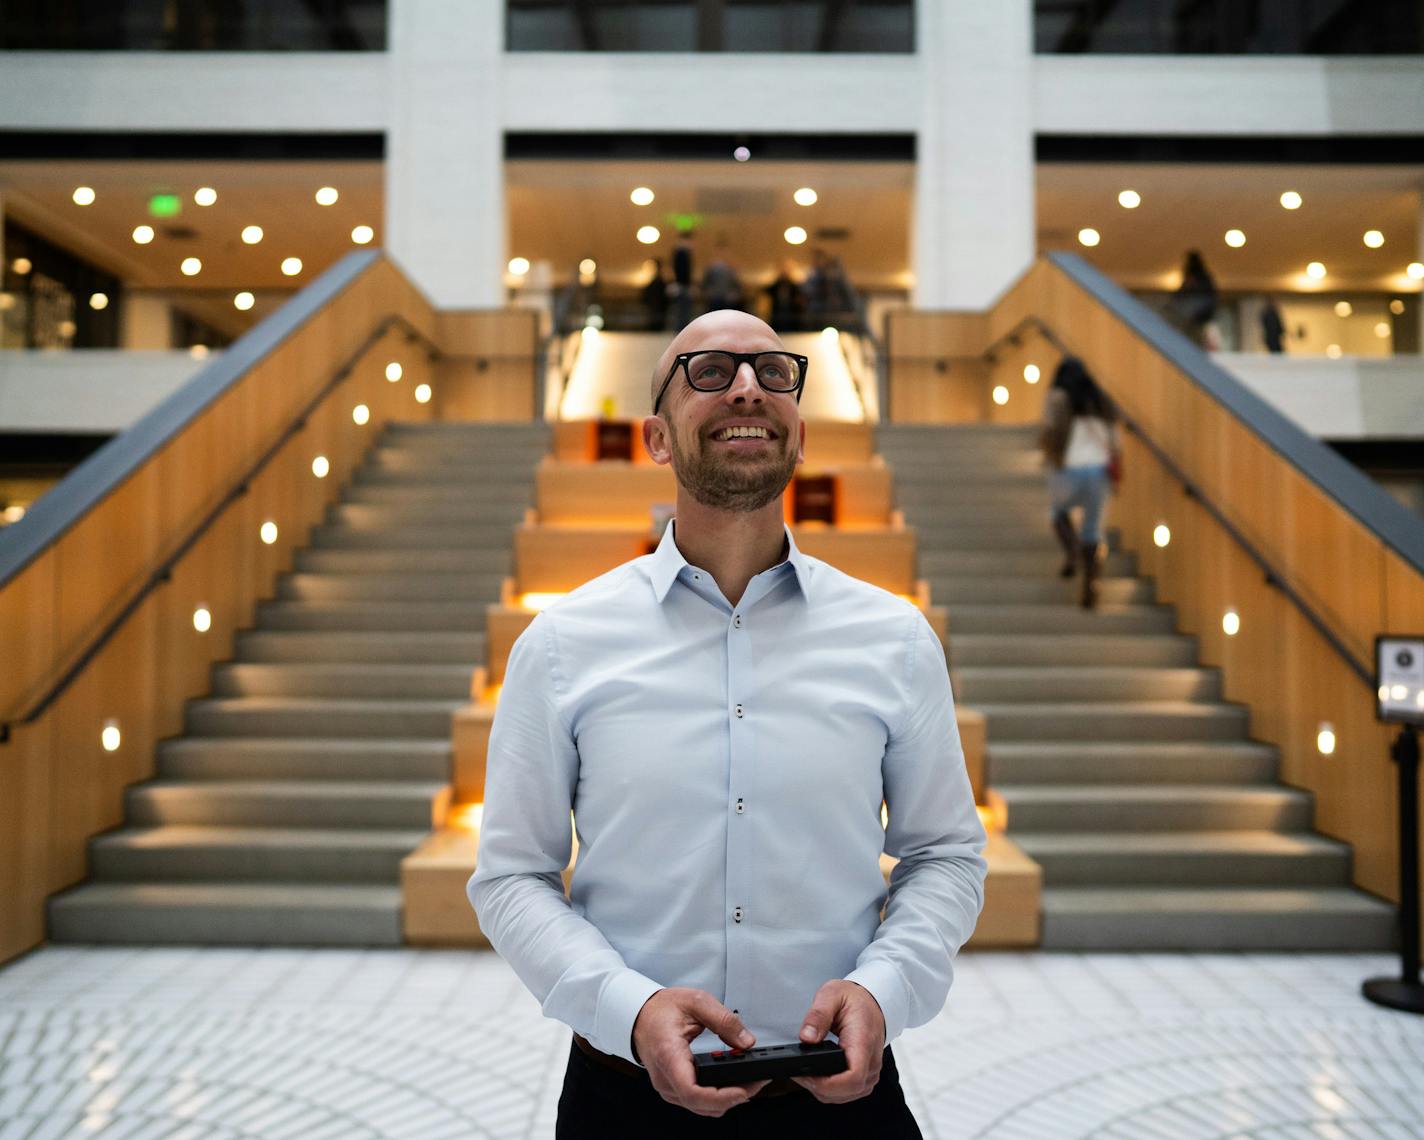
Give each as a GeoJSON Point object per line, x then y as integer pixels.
{"type": "Point", "coordinates": [729, 1027]}
{"type": "Point", "coordinates": [819, 1018]}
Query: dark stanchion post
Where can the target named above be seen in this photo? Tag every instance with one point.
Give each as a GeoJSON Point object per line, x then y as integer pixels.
{"type": "Point", "coordinates": [1405, 992]}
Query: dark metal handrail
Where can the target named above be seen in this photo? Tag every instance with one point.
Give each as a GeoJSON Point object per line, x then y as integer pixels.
{"type": "Point", "coordinates": [164, 571]}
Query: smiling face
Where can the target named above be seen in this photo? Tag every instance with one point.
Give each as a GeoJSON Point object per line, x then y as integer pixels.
{"type": "Point", "coordinates": [733, 450]}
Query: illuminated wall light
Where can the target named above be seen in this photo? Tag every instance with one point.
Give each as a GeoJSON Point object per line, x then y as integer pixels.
{"type": "Point", "coordinates": [594, 321]}
{"type": "Point", "coordinates": [1032, 373]}
{"type": "Point", "coordinates": [1398, 692]}
{"type": "Point", "coordinates": [394, 371]}
{"type": "Point", "coordinates": [422, 394]}
{"type": "Point", "coordinates": [1001, 395]}
{"type": "Point", "coordinates": [205, 195]}
{"type": "Point", "coordinates": [190, 267]}
{"type": "Point", "coordinates": [268, 533]}
{"type": "Point", "coordinates": [1396, 306]}
{"type": "Point", "coordinates": [1373, 238]}
{"type": "Point", "coordinates": [142, 235]}
{"type": "Point", "coordinates": [361, 414]}
{"type": "Point", "coordinates": [67, 328]}
{"type": "Point", "coordinates": [110, 737]}
{"type": "Point", "coordinates": [363, 235]}
{"type": "Point", "coordinates": [321, 467]}
{"type": "Point", "coordinates": [251, 235]}
{"type": "Point", "coordinates": [795, 235]}
{"type": "Point", "coordinates": [1291, 200]}
{"type": "Point", "coordinates": [327, 196]}
{"type": "Point", "coordinates": [83, 195]}
{"type": "Point", "coordinates": [1333, 351]}
{"type": "Point", "coordinates": [641, 196]}
{"type": "Point", "coordinates": [1415, 269]}
{"type": "Point", "coordinates": [589, 332]}
{"type": "Point", "coordinates": [202, 619]}
{"type": "Point", "coordinates": [98, 301]}
{"type": "Point", "coordinates": [742, 154]}
{"type": "Point", "coordinates": [518, 266]}
{"type": "Point", "coordinates": [1161, 535]}
{"type": "Point", "coordinates": [588, 267]}
{"type": "Point", "coordinates": [1231, 623]}
{"type": "Point", "coordinates": [243, 301]}
{"type": "Point", "coordinates": [1129, 199]}
{"type": "Point", "coordinates": [1235, 239]}
{"type": "Point", "coordinates": [1315, 269]}
{"type": "Point", "coordinates": [1325, 738]}
{"type": "Point", "coordinates": [830, 332]}
{"type": "Point", "coordinates": [291, 266]}
{"type": "Point", "coordinates": [648, 234]}
{"type": "Point", "coordinates": [22, 265]}
{"type": "Point", "coordinates": [13, 513]}
{"type": "Point", "coordinates": [805, 196]}
{"type": "Point", "coordinates": [198, 351]}
{"type": "Point", "coordinates": [1382, 330]}
{"type": "Point", "coordinates": [534, 602]}
{"type": "Point", "coordinates": [1343, 308]}
{"type": "Point", "coordinates": [1089, 237]}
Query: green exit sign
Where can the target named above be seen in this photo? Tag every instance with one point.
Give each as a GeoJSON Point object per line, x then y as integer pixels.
{"type": "Point", "coordinates": [164, 205]}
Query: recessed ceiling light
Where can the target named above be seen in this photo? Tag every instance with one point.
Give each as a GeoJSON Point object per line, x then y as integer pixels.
{"type": "Point", "coordinates": [98, 301]}
{"type": "Point", "coordinates": [291, 266]}
{"type": "Point", "coordinates": [205, 196]}
{"type": "Point", "coordinates": [1374, 239]}
{"type": "Point", "coordinates": [22, 265]}
{"type": "Point", "coordinates": [805, 196]}
{"type": "Point", "coordinates": [1291, 200]}
{"type": "Point", "coordinates": [642, 196]}
{"type": "Point", "coordinates": [362, 235]}
{"type": "Point", "coordinates": [1315, 269]}
{"type": "Point", "coordinates": [1396, 307]}
{"type": "Point", "coordinates": [795, 235]}
{"type": "Point", "coordinates": [327, 196]}
{"type": "Point", "coordinates": [143, 234]}
{"type": "Point", "coordinates": [588, 267]}
{"type": "Point", "coordinates": [1416, 270]}
{"type": "Point", "coordinates": [1382, 330]}
{"type": "Point", "coordinates": [648, 234]}
{"type": "Point", "coordinates": [83, 195]}
{"type": "Point", "coordinates": [1343, 308]}
{"type": "Point", "coordinates": [251, 234]}
{"type": "Point", "coordinates": [244, 301]}
{"type": "Point", "coordinates": [1089, 237]}
{"type": "Point", "coordinates": [741, 154]}
{"type": "Point", "coordinates": [1235, 239]}
{"type": "Point", "coordinates": [191, 267]}
{"type": "Point", "coordinates": [518, 266]}
{"type": "Point", "coordinates": [1129, 199]}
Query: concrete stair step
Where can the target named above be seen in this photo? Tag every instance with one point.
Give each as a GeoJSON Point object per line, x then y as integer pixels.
{"type": "Point", "coordinates": [479, 536]}
{"type": "Point", "coordinates": [1086, 649]}
{"type": "Point", "coordinates": [452, 511]}
{"type": "Point", "coordinates": [385, 647]}
{"type": "Point", "coordinates": [1044, 562]}
{"type": "Point", "coordinates": [182, 853]}
{"type": "Point", "coordinates": [397, 617]}
{"type": "Point", "coordinates": [1192, 858]}
{"type": "Point", "coordinates": [319, 716]}
{"type": "Point", "coordinates": [353, 682]}
{"type": "Point", "coordinates": [1153, 808]}
{"type": "Point", "coordinates": [403, 804]}
{"type": "Point", "coordinates": [483, 560]}
{"type": "Point", "coordinates": [206, 914]}
{"type": "Point", "coordinates": [1130, 762]}
{"type": "Point", "coordinates": [976, 617]}
{"type": "Point", "coordinates": [515, 482]}
{"type": "Point", "coordinates": [1215, 918]}
{"type": "Point", "coordinates": [967, 463]}
{"type": "Point", "coordinates": [516, 464]}
{"type": "Point", "coordinates": [417, 583]}
{"type": "Point", "coordinates": [949, 590]}
{"type": "Point", "coordinates": [1110, 720]}
{"type": "Point", "coordinates": [497, 495]}
{"type": "Point", "coordinates": [1006, 684]}
{"type": "Point", "coordinates": [190, 758]}
{"type": "Point", "coordinates": [436, 429]}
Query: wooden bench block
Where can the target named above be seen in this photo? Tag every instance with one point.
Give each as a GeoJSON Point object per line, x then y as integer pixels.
{"type": "Point", "coordinates": [973, 738]}
{"type": "Point", "coordinates": [827, 442]}
{"type": "Point", "coordinates": [470, 747]}
{"type": "Point", "coordinates": [503, 625]}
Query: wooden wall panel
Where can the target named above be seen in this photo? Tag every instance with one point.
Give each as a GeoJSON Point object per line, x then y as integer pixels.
{"type": "Point", "coordinates": [922, 393]}
{"type": "Point", "coordinates": [25, 874]}
{"type": "Point", "coordinates": [501, 391]}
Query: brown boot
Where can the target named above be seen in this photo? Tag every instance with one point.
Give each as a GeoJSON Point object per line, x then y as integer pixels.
{"type": "Point", "coordinates": [1092, 563]}
{"type": "Point", "coordinates": [1063, 528]}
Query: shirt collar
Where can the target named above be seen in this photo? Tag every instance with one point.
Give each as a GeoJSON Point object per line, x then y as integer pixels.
{"type": "Point", "coordinates": [667, 562]}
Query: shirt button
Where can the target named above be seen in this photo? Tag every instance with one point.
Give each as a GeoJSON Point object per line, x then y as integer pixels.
{"type": "Point", "coordinates": [737, 915]}
{"type": "Point", "coordinates": [737, 621]}
{"type": "Point", "coordinates": [697, 577]}
{"type": "Point", "coordinates": [740, 807]}
{"type": "Point", "coordinates": [739, 710]}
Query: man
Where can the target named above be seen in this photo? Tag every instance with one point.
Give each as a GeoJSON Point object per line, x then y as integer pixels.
{"type": "Point", "coordinates": [724, 717]}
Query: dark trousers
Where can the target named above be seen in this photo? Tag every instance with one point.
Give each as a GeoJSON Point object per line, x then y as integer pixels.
{"type": "Point", "coordinates": [600, 1104]}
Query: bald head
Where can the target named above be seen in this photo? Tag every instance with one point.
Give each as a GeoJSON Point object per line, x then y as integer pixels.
{"type": "Point", "coordinates": [721, 328]}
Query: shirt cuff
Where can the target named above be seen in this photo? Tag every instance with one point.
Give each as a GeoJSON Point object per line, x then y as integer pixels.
{"type": "Point", "coordinates": [886, 987]}
{"type": "Point", "coordinates": [618, 1007]}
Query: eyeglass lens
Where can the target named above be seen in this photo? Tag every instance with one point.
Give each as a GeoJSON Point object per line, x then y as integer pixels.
{"type": "Point", "coordinates": [776, 371]}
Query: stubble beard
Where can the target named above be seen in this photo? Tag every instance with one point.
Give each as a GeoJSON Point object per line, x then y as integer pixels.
{"type": "Point", "coordinates": [730, 484]}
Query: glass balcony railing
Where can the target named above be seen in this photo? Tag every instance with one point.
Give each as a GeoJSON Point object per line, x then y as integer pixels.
{"type": "Point", "coordinates": [1229, 27]}
{"type": "Point", "coordinates": [193, 25]}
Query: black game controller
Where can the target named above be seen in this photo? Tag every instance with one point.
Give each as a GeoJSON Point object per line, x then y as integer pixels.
{"type": "Point", "coordinates": [743, 1066]}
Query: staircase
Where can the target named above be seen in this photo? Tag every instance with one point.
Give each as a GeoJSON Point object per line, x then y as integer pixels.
{"type": "Point", "coordinates": [1123, 772]}
{"type": "Point", "coordinates": [322, 756]}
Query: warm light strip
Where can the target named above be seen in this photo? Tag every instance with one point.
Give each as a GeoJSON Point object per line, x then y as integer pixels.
{"type": "Point", "coordinates": [536, 602]}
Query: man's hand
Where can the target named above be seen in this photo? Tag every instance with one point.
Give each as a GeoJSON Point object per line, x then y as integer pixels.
{"type": "Point", "coordinates": [850, 1012]}
{"type": "Point", "coordinates": [666, 1025]}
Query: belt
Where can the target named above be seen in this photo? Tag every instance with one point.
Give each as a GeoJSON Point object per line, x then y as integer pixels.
{"type": "Point", "coordinates": [779, 1087]}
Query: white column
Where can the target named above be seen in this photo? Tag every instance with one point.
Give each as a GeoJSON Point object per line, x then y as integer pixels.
{"type": "Point", "coordinates": [445, 149]}
{"type": "Point", "coordinates": [973, 228]}
{"type": "Point", "coordinates": [2, 267]}
{"type": "Point", "coordinates": [147, 323]}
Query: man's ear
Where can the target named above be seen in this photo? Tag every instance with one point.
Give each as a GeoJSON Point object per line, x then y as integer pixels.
{"type": "Point", "coordinates": [800, 442]}
{"type": "Point", "coordinates": [655, 440]}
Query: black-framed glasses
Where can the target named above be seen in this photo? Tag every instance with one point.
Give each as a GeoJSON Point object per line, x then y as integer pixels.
{"type": "Point", "coordinates": [713, 370]}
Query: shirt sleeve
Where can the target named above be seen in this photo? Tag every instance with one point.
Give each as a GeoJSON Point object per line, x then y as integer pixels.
{"type": "Point", "coordinates": [517, 889]}
{"type": "Point", "coordinates": [937, 888]}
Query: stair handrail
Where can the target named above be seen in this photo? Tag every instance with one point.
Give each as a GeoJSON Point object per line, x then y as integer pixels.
{"type": "Point", "coordinates": [238, 488]}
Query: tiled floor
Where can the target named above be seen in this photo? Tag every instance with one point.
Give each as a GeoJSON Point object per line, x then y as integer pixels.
{"type": "Point", "coordinates": [150, 1043]}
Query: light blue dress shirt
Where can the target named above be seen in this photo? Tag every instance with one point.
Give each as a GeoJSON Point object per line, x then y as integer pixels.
{"type": "Point", "coordinates": [725, 766]}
